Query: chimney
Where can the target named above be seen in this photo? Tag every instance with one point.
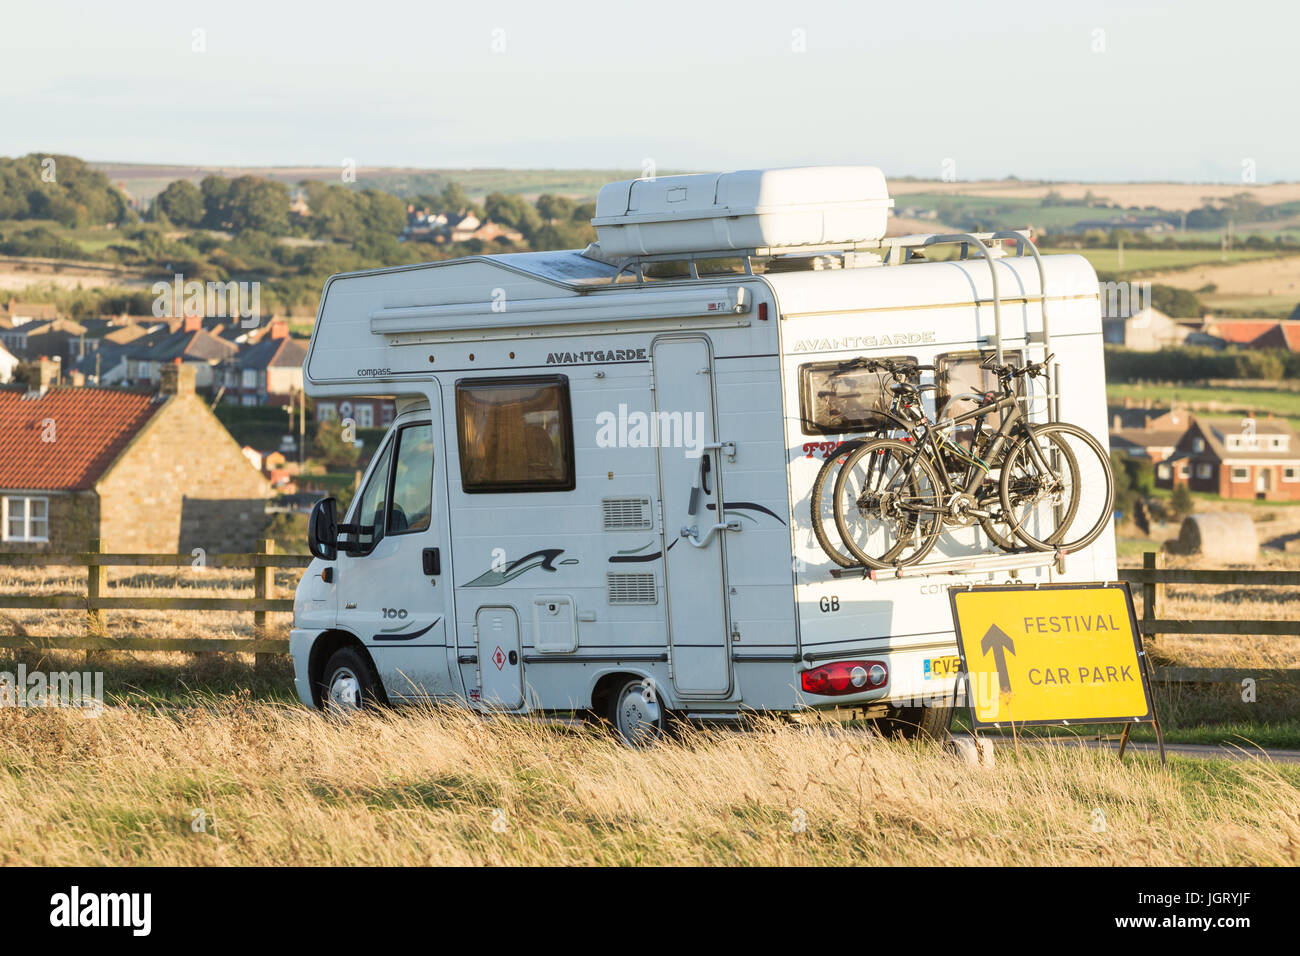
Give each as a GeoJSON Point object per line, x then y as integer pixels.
{"type": "Point", "coordinates": [279, 328]}
{"type": "Point", "coordinates": [192, 323]}
{"type": "Point", "coordinates": [176, 378]}
{"type": "Point", "coordinates": [48, 374]}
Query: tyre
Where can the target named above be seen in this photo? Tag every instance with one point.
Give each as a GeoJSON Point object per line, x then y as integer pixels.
{"type": "Point", "coordinates": [915, 723]}
{"type": "Point", "coordinates": [349, 683]}
{"type": "Point", "coordinates": [888, 504]}
{"type": "Point", "coordinates": [1076, 523]}
{"type": "Point", "coordinates": [823, 505]}
{"type": "Point", "coordinates": [637, 713]}
{"type": "Point", "coordinates": [1038, 490]}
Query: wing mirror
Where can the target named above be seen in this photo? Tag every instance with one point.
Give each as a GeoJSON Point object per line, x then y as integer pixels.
{"type": "Point", "coordinates": [323, 530]}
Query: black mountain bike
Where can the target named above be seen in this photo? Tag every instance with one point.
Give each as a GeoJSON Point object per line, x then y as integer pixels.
{"type": "Point", "coordinates": [1038, 487]}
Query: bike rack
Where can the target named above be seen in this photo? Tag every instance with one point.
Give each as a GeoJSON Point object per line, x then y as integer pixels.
{"type": "Point", "coordinates": [974, 563]}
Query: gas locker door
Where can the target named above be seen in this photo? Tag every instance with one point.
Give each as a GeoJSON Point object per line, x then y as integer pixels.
{"type": "Point", "coordinates": [693, 576]}
{"type": "Point", "coordinates": [501, 680]}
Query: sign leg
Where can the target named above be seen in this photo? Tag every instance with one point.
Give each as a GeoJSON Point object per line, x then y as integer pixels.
{"type": "Point", "coordinates": [1123, 740]}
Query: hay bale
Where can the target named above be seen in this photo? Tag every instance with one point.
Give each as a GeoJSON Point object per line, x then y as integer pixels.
{"type": "Point", "coordinates": [1227, 537]}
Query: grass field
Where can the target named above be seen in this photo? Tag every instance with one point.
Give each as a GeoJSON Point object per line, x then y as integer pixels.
{"type": "Point", "coordinates": [1261, 401]}
{"type": "Point", "coordinates": [242, 782]}
{"type": "Point", "coordinates": [1153, 260]}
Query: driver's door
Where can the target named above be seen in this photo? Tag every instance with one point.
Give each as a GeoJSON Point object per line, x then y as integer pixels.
{"type": "Point", "coordinates": [391, 590]}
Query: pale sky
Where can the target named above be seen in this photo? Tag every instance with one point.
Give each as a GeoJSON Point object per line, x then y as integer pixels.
{"type": "Point", "coordinates": [1137, 90]}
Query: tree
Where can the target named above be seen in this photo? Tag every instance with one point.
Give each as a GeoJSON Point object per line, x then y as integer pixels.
{"type": "Point", "coordinates": [329, 447]}
{"type": "Point", "coordinates": [260, 204]}
{"type": "Point", "coordinates": [1182, 502]}
{"type": "Point", "coordinates": [216, 201]}
{"type": "Point", "coordinates": [512, 211]}
{"type": "Point", "coordinates": [555, 208]}
{"type": "Point", "coordinates": [451, 200]}
{"type": "Point", "coordinates": [182, 203]}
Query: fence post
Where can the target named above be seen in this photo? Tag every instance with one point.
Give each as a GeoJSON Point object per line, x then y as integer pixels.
{"type": "Point", "coordinates": [1153, 593]}
{"type": "Point", "coordinates": [263, 585]}
{"type": "Point", "coordinates": [96, 585]}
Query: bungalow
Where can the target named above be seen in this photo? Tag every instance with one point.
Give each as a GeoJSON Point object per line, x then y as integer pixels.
{"type": "Point", "coordinates": [1154, 439]}
{"type": "Point", "coordinates": [190, 343]}
{"type": "Point", "coordinates": [140, 471]}
{"type": "Point", "coordinates": [1236, 458]}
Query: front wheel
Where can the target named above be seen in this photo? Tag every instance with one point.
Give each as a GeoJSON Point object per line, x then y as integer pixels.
{"type": "Point", "coordinates": [349, 684]}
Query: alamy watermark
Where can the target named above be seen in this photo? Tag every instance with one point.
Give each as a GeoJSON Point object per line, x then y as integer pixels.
{"type": "Point", "coordinates": [638, 429]}
{"type": "Point", "coordinates": [83, 690]}
{"type": "Point", "coordinates": [234, 300]}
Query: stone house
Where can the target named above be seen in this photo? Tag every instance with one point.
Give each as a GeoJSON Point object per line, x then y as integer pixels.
{"type": "Point", "coordinates": [142, 472]}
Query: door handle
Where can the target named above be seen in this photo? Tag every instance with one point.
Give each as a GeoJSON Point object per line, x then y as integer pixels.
{"type": "Point", "coordinates": [514, 657]}
{"type": "Point", "coordinates": [431, 561]}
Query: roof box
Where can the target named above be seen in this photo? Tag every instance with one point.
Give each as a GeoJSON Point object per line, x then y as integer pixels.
{"type": "Point", "coordinates": [747, 209]}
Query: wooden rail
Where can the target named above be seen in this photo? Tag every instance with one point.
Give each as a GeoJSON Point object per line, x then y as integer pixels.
{"type": "Point", "coordinates": [96, 600]}
{"type": "Point", "coordinates": [1153, 576]}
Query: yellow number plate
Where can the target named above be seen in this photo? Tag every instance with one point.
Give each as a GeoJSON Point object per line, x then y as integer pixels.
{"type": "Point", "coordinates": [942, 666]}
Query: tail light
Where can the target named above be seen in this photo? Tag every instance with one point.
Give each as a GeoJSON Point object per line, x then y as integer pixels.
{"type": "Point", "coordinates": [845, 677]}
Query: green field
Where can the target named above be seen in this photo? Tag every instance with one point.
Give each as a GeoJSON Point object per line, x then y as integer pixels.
{"type": "Point", "coordinates": [1262, 401]}
{"type": "Point", "coordinates": [1156, 260]}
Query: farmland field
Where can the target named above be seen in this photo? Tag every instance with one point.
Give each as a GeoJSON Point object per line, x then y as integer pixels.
{"type": "Point", "coordinates": [1214, 400]}
{"type": "Point", "coordinates": [1150, 260]}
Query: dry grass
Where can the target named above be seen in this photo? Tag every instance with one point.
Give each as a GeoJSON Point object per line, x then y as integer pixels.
{"type": "Point", "coordinates": [280, 785]}
{"type": "Point", "coordinates": [1171, 196]}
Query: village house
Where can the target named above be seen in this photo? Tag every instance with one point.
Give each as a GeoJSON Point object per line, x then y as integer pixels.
{"type": "Point", "coordinates": [1235, 457]}
{"type": "Point", "coordinates": [366, 412]}
{"type": "Point", "coordinates": [1256, 333]}
{"type": "Point", "coordinates": [143, 472]}
{"type": "Point", "coordinates": [8, 365]}
{"type": "Point", "coordinates": [1151, 435]}
{"type": "Point", "coordinates": [191, 343]}
{"type": "Point", "coordinates": [268, 372]}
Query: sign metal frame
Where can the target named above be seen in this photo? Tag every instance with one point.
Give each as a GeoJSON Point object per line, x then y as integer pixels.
{"type": "Point", "coordinates": [977, 724]}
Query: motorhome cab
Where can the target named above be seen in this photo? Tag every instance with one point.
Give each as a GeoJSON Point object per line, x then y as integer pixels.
{"type": "Point", "coordinates": [595, 495]}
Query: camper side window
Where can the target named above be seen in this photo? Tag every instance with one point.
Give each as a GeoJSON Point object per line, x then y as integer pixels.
{"type": "Point", "coordinates": [840, 397]}
{"type": "Point", "coordinates": [515, 434]}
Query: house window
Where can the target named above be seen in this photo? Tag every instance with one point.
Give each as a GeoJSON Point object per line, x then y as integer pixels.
{"type": "Point", "coordinates": [515, 434]}
{"type": "Point", "coordinates": [1198, 444]}
{"type": "Point", "coordinates": [250, 378]}
{"type": "Point", "coordinates": [365, 416]}
{"type": "Point", "coordinates": [25, 518]}
{"type": "Point", "coordinates": [326, 411]}
{"type": "Point", "coordinates": [1182, 470]}
{"type": "Point", "coordinates": [840, 397]}
{"type": "Point", "coordinates": [1164, 472]}
{"type": "Point", "coordinates": [1240, 474]}
{"type": "Point", "coordinates": [1291, 473]}
{"type": "Point", "coordinates": [1204, 471]}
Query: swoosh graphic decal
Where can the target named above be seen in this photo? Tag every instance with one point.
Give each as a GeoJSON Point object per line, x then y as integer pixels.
{"type": "Point", "coordinates": [544, 559]}
{"type": "Point", "coordinates": [638, 558]}
{"type": "Point", "coordinates": [747, 506]}
{"type": "Point", "coordinates": [406, 637]}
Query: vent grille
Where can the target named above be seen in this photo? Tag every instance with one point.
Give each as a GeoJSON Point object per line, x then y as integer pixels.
{"type": "Point", "coordinates": [626, 514]}
{"type": "Point", "coordinates": [631, 588]}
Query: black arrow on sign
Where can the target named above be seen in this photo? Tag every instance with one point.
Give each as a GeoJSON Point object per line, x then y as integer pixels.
{"type": "Point", "coordinates": [997, 641]}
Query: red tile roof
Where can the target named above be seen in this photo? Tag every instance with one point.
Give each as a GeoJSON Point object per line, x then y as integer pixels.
{"type": "Point", "coordinates": [1240, 331]}
{"type": "Point", "coordinates": [90, 426]}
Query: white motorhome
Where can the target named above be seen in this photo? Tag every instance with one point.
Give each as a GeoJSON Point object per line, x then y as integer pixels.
{"type": "Point", "coordinates": [595, 495]}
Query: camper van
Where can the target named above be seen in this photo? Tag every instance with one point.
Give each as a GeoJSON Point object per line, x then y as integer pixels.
{"type": "Point", "coordinates": [595, 497]}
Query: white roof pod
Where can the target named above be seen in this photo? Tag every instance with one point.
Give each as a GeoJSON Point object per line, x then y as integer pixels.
{"type": "Point", "coordinates": [747, 209]}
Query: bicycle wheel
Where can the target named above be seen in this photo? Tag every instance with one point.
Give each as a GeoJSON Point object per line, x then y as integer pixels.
{"type": "Point", "coordinates": [888, 504]}
{"type": "Point", "coordinates": [1068, 504]}
{"type": "Point", "coordinates": [823, 505]}
{"type": "Point", "coordinates": [1092, 499]}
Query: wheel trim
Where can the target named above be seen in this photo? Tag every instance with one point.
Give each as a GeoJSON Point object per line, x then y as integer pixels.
{"type": "Point", "coordinates": [344, 692]}
{"type": "Point", "coordinates": [639, 716]}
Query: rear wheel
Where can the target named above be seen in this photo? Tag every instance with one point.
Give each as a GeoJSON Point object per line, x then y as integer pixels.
{"type": "Point", "coordinates": [823, 504]}
{"type": "Point", "coordinates": [915, 723]}
{"type": "Point", "coordinates": [637, 713]}
{"type": "Point", "coordinates": [1071, 503]}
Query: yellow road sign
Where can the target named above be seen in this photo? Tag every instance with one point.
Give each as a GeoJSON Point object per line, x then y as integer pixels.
{"type": "Point", "coordinates": [1061, 653]}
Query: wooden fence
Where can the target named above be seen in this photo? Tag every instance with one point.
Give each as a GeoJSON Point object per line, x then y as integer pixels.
{"type": "Point", "coordinates": [1152, 578]}
{"type": "Point", "coordinates": [97, 599]}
